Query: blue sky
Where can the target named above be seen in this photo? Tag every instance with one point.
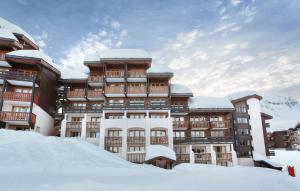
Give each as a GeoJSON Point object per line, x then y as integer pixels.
{"type": "Point", "coordinates": [214, 47]}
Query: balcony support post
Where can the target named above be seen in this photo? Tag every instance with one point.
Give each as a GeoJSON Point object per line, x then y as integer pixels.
{"type": "Point", "coordinates": [102, 131]}
{"type": "Point", "coordinates": [63, 129]}
{"type": "Point", "coordinates": [233, 155]}
{"type": "Point", "coordinates": [31, 104]}
{"type": "Point", "coordinates": [192, 154]}
{"type": "Point", "coordinates": [83, 127]}
{"type": "Point", "coordinates": [3, 90]}
{"type": "Point", "coordinates": [213, 155]}
{"type": "Point", "coordinates": [124, 136]}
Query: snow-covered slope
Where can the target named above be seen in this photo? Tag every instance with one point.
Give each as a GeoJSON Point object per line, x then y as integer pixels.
{"type": "Point", "coordinates": [285, 111]}
{"type": "Point", "coordinates": [31, 162]}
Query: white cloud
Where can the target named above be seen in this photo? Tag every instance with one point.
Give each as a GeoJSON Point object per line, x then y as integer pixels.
{"type": "Point", "coordinates": [115, 24]}
{"type": "Point", "coordinates": [248, 12]}
{"type": "Point", "coordinates": [41, 39]}
{"type": "Point", "coordinates": [235, 2]}
{"type": "Point", "coordinates": [222, 11]}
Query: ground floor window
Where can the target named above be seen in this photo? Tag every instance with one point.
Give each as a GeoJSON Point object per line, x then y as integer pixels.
{"type": "Point", "coordinates": [217, 133]}
{"type": "Point", "coordinates": [222, 163]}
{"type": "Point", "coordinates": [199, 149]}
{"type": "Point", "coordinates": [158, 133]}
{"type": "Point", "coordinates": [94, 134]}
{"type": "Point", "coordinates": [136, 149]}
{"type": "Point", "coordinates": [74, 134]}
{"type": "Point", "coordinates": [114, 149]}
{"type": "Point", "coordinates": [180, 150]}
{"type": "Point", "coordinates": [179, 134]}
{"type": "Point", "coordinates": [197, 134]}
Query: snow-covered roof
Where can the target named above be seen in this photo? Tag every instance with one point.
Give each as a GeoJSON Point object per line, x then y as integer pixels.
{"type": "Point", "coordinates": [203, 102]}
{"type": "Point", "coordinates": [153, 151]}
{"type": "Point", "coordinates": [33, 54]}
{"type": "Point", "coordinates": [242, 94]}
{"type": "Point", "coordinates": [158, 68]}
{"type": "Point", "coordinates": [4, 64]}
{"type": "Point", "coordinates": [259, 157]}
{"type": "Point", "coordinates": [6, 34]}
{"type": "Point", "coordinates": [180, 89]}
{"type": "Point", "coordinates": [14, 29]}
{"type": "Point", "coordinates": [117, 54]}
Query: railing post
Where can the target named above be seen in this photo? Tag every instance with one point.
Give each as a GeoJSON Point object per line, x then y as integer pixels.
{"type": "Point", "coordinates": [213, 155]}
{"type": "Point", "coordinates": [31, 103]}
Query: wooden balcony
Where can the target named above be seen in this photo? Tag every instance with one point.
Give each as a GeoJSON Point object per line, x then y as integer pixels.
{"type": "Point", "coordinates": [22, 97]}
{"type": "Point", "coordinates": [136, 141]}
{"type": "Point", "coordinates": [16, 75]}
{"type": "Point", "coordinates": [76, 95]}
{"type": "Point", "coordinates": [93, 125]}
{"type": "Point", "coordinates": [179, 108]}
{"type": "Point", "coordinates": [137, 90]}
{"type": "Point", "coordinates": [202, 157]}
{"type": "Point", "coordinates": [220, 124]}
{"type": "Point", "coordinates": [182, 158]}
{"type": "Point", "coordinates": [136, 74]}
{"type": "Point", "coordinates": [138, 158]}
{"type": "Point", "coordinates": [224, 156]}
{"type": "Point", "coordinates": [159, 89]}
{"type": "Point", "coordinates": [7, 116]}
{"type": "Point", "coordinates": [114, 90]}
{"type": "Point", "coordinates": [159, 140]}
{"type": "Point", "coordinates": [74, 125]}
{"type": "Point", "coordinates": [95, 81]}
{"type": "Point", "coordinates": [113, 141]}
{"type": "Point", "coordinates": [180, 124]}
{"type": "Point", "coordinates": [200, 124]}
{"type": "Point", "coordinates": [95, 95]}
{"type": "Point", "coordinates": [115, 74]}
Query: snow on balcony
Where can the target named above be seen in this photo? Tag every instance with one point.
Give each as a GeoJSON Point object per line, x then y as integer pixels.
{"type": "Point", "coordinates": [153, 151]}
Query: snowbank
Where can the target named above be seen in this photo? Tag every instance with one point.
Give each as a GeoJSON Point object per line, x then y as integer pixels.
{"type": "Point", "coordinates": [259, 157]}
{"type": "Point", "coordinates": [202, 102]}
{"type": "Point", "coordinates": [31, 162]}
{"type": "Point", "coordinates": [153, 151]}
{"type": "Point", "coordinates": [288, 158]}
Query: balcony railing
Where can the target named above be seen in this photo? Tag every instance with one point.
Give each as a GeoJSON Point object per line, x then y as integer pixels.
{"type": "Point", "coordinates": [136, 74]}
{"type": "Point", "coordinates": [180, 124]}
{"type": "Point", "coordinates": [115, 74]}
{"type": "Point", "coordinates": [115, 141]}
{"type": "Point", "coordinates": [136, 140]}
{"type": "Point", "coordinates": [223, 156]}
{"type": "Point", "coordinates": [136, 90]}
{"type": "Point", "coordinates": [202, 157]}
{"type": "Point", "coordinates": [93, 125]}
{"type": "Point", "coordinates": [220, 124]}
{"type": "Point", "coordinates": [159, 140]}
{"type": "Point", "coordinates": [95, 79]}
{"type": "Point", "coordinates": [14, 75]}
{"type": "Point", "coordinates": [179, 108]}
{"type": "Point", "coordinates": [136, 157]}
{"type": "Point", "coordinates": [94, 94]}
{"type": "Point", "coordinates": [182, 158]}
{"type": "Point", "coordinates": [17, 116]}
{"type": "Point", "coordinates": [15, 96]}
{"type": "Point", "coordinates": [76, 94]}
{"type": "Point", "coordinates": [74, 125]}
{"type": "Point", "coordinates": [159, 89]}
{"type": "Point", "coordinates": [114, 90]}
{"type": "Point", "coordinates": [200, 124]}
{"type": "Point", "coordinates": [82, 109]}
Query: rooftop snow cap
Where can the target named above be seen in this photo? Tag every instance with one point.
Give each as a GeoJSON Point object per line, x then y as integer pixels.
{"type": "Point", "coordinates": [7, 34]}
{"type": "Point", "coordinates": [178, 89]}
{"type": "Point", "coordinates": [154, 151]}
{"type": "Point", "coordinates": [214, 103]}
{"type": "Point", "coordinates": [243, 95]}
{"type": "Point", "coordinates": [118, 54]}
{"type": "Point", "coordinates": [33, 54]}
{"type": "Point", "coordinates": [15, 29]}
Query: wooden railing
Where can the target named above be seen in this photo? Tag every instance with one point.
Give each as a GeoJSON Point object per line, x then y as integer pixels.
{"type": "Point", "coordinates": [136, 74]}
{"type": "Point", "coordinates": [180, 124]}
{"type": "Point", "coordinates": [202, 157]}
{"type": "Point", "coordinates": [74, 125]}
{"type": "Point", "coordinates": [19, 75]}
{"type": "Point", "coordinates": [115, 74]}
{"type": "Point", "coordinates": [93, 125]}
{"type": "Point", "coordinates": [95, 79]}
{"type": "Point", "coordinates": [220, 124]}
{"type": "Point", "coordinates": [159, 89]}
{"type": "Point", "coordinates": [15, 96]}
{"type": "Point", "coordinates": [114, 89]}
{"type": "Point", "coordinates": [182, 158]}
{"type": "Point", "coordinates": [223, 156]}
{"type": "Point", "coordinates": [2, 57]}
{"type": "Point", "coordinates": [76, 94]}
{"type": "Point", "coordinates": [136, 157]}
{"type": "Point", "coordinates": [17, 116]}
{"type": "Point", "coordinates": [136, 140]}
{"type": "Point", "coordinates": [137, 90]}
{"type": "Point", "coordinates": [113, 141]}
{"type": "Point", "coordinates": [93, 94]}
{"type": "Point", "coordinates": [200, 124]}
{"type": "Point", "coordinates": [159, 140]}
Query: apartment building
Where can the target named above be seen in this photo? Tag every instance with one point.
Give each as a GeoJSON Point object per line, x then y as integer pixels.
{"type": "Point", "coordinates": [285, 139]}
{"type": "Point", "coordinates": [28, 82]}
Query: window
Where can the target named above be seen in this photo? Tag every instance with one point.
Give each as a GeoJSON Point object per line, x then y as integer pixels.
{"type": "Point", "coordinates": [197, 118]}
{"type": "Point", "coordinates": [215, 118]}
{"type": "Point", "coordinates": [136, 133]}
{"type": "Point", "coordinates": [22, 90]}
{"type": "Point", "coordinates": [136, 149]}
{"type": "Point", "coordinates": [114, 149]}
{"type": "Point", "coordinates": [81, 105]}
{"type": "Point", "coordinates": [20, 109]}
{"type": "Point", "coordinates": [177, 119]}
{"type": "Point", "coordinates": [136, 116]}
{"type": "Point", "coordinates": [76, 119]}
{"type": "Point", "coordinates": [74, 134]}
{"type": "Point", "coordinates": [94, 134]}
{"type": "Point", "coordinates": [115, 116]}
{"type": "Point", "coordinates": [95, 119]}
{"type": "Point", "coordinates": [200, 149]}
{"type": "Point", "coordinates": [220, 149]}
{"type": "Point", "coordinates": [158, 116]}
{"type": "Point", "coordinates": [114, 133]}
{"type": "Point", "coordinates": [96, 106]}
{"type": "Point", "coordinates": [158, 133]}
{"type": "Point", "coordinates": [197, 134]}
{"type": "Point", "coordinates": [243, 131]}
{"type": "Point", "coordinates": [180, 150]}
{"type": "Point", "coordinates": [179, 134]}
{"type": "Point", "coordinates": [242, 120]}
{"type": "Point", "coordinates": [241, 109]}
{"type": "Point", "coordinates": [217, 133]}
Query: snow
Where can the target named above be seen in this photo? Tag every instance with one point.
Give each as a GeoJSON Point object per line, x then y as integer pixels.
{"type": "Point", "coordinates": [6, 34]}
{"type": "Point", "coordinates": [4, 64]}
{"type": "Point", "coordinates": [203, 102]}
{"type": "Point", "coordinates": [241, 94]}
{"type": "Point", "coordinates": [29, 161]}
{"type": "Point", "coordinates": [158, 68]}
{"type": "Point", "coordinates": [288, 158]}
{"type": "Point", "coordinates": [259, 157]}
{"type": "Point", "coordinates": [180, 89]}
{"type": "Point", "coordinates": [14, 29]}
{"type": "Point", "coordinates": [119, 54]}
{"type": "Point", "coordinates": [153, 151]}
{"type": "Point", "coordinates": [284, 109]}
